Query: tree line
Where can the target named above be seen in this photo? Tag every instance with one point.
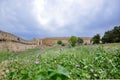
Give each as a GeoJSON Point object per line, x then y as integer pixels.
{"type": "Point", "coordinates": [110, 36]}
{"type": "Point", "coordinates": [73, 40]}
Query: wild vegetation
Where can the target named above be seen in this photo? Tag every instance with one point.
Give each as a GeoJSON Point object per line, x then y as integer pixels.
{"type": "Point", "coordinates": [62, 63]}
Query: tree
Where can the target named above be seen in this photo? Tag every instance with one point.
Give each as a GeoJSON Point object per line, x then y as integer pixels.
{"type": "Point", "coordinates": [112, 36]}
{"type": "Point", "coordinates": [80, 40]}
{"type": "Point", "coordinates": [73, 40]}
{"type": "Point", "coordinates": [108, 37]}
{"type": "Point", "coordinates": [96, 39]}
{"type": "Point", "coordinates": [59, 42]}
{"type": "Point", "coordinates": [116, 34]}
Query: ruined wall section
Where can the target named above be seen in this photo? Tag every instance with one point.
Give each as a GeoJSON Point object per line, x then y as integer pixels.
{"type": "Point", "coordinates": [87, 40]}
{"type": "Point", "coordinates": [11, 42]}
{"type": "Point", "coordinates": [53, 40]}
{"type": "Point", "coordinates": [15, 46]}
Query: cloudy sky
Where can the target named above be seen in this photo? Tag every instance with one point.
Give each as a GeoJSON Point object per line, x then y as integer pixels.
{"type": "Point", "coordinates": [52, 18]}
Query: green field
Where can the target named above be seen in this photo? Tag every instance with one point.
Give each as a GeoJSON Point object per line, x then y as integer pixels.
{"type": "Point", "coordinates": [62, 63]}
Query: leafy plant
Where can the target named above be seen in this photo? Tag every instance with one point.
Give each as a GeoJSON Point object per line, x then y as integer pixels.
{"type": "Point", "coordinates": [80, 40]}
{"type": "Point", "coordinates": [73, 40]}
{"type": "Point", "coordinates": [59, 42]}
{"type": "Point", "coordinates": [63, 44]}
{"type": "Point", "coordinates": [58, 74]}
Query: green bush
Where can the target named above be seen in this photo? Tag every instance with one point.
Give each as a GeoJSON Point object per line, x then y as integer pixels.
{"type": "Point", "coordinates": [59, 42]}
{"type": "Point", "coordinates": [63, 44]}
{"type": "Point", "coordinates": [80, 40]}
{"type": "Point", "coordinates": [73, 40]}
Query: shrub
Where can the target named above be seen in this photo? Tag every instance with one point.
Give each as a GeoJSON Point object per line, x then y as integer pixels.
{"type": "Point", "coordinates": [73, 40]}
{"type": "Point", "coordinates": [80, 40]}
{"type": "Point", "coordinates": [63, 44]}
{"type": "Point", "coordinates": [59, 42]}
{"type": "Point", "coordinates": [85, 43]}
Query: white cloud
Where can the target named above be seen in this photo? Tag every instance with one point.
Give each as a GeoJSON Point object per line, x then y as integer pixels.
{"type": "Point", "coordinates": [57, 17]}
{"type": "Point", "coordinates": [11, 15]}
{"type": "Point", "coordinates": [57, 14]}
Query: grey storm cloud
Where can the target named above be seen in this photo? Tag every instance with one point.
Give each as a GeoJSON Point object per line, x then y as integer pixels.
{"type": "Point", "coordinates": [42, 18]}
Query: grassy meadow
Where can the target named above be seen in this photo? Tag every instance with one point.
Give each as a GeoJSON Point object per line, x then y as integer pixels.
{"type": "Point", "coordinates": [62, 63]}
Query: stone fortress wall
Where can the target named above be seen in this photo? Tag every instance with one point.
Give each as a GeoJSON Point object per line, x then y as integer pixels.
{"type": "Point", "coordinates": [13, 43]}
{"type": "Point", "coordinates": [53, 40]}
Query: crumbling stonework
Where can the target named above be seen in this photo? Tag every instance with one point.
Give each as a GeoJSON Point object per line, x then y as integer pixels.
{"type": "Point", "coordinates": [87, 40]}
{"type": "Point", "coordinates": [13, 43]}
{"type": "Point", "coordinates": [15, 46]}
{"type": "Point", "coordinates": [53, 40]}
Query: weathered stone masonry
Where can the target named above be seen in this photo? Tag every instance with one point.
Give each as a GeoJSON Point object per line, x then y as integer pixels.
{"type": "Point", "coordinates": [11, 42]}
{"type": "Point", "coordinates": [53, 40]}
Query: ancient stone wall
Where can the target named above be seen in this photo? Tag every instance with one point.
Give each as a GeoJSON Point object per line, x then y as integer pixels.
{"type": "Point", "coordinates": [15, 46]}
{"type": "Point", "coordinates": [13, 43]}
{"type": "Point", "coordinates": [52, 41]}
{"type": "Point", "coordinates": [87, 40]}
